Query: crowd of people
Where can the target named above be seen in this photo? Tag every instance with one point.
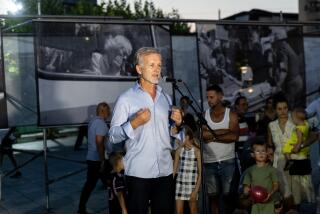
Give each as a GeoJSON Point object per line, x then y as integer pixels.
{"type": "Point", "coordinates": [250, 163]}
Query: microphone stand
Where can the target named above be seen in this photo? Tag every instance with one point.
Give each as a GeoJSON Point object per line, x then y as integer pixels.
{"type": "Point", "coordinates": [201, 121]}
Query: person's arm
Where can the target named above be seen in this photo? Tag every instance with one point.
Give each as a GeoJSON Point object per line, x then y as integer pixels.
{"type": "Point", "coordinates": [246, 182]}
{"type": "Point", "coordinates": [194, 193]}
{"type": "Point", "coordinates": [269, 140]}
{"type": "Point", "coordinates": [297, 146]}
{"type": "Point", "coordinates": [313, 137]}
{"type": "Point", "coordinates": [176, 161]}
{"type": "Point", "coordinates": [100, 146]}
{"type": "Point", "coordinates": [283, 71]}
{"type": "Point", "coordinates": [120, 196]}
{"type": "Point", "coordinates": [275, 184]}
{"type": "Point", "coordinates": [311, 109]}
{"type": "Point", "coordinates": [246, 189]}
{"type": "Point", "coordinates": [177, 117]}
{"type": "Point", "coordinates": [223, 135]}
{"type": "Point", "coordinates": [141, 118]}
{"type": "Point", "coordinates": [282, 77]}
{"type": "Point", "coordinates": [275, 188]}
{"type": "Point", "coordinates": [219, 134]}
{"type": "Point", "coordinates": [207, 135]}
{"type": "Point", "coordinates": [122, 127]}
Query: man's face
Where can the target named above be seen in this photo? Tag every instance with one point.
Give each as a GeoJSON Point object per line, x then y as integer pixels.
{"type": "Point", "coordinates": [214, 98]}
{"type": "Point", "coordinates": [120, 56]}
{"type": "Point", "coordinates": [242, 106]}
{"type": "Point", "coordinates": [150, 68]}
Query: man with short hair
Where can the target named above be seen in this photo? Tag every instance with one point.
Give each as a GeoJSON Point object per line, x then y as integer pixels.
{"type": "Point", "coordinates": [219, 149]}
{"type": "Point", "coordinates": [141, 119]}
{"type": "Point", "coordinates": [97, 136]}
{"type": "Point", "coordinates": [246, 129]}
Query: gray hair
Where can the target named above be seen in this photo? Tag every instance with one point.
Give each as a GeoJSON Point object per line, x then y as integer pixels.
{"type": "Point", "coordinates": [143, 52]}
{"type": "Point", "coordinates": [118, 41]}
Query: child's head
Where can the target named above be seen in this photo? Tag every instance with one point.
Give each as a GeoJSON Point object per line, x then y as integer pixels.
{"type": "Point", "coordinates": [259, 150]}
{"type": "Point", "coordinates": [116, 162]}
{"type": "Point", "coordinates": [298, 116]}
{"type": "Point", "coordinates": [189, 137]}
{"type": "Point", "coordinates": [270, 152]}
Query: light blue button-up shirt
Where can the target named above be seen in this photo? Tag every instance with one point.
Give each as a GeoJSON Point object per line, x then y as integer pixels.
{"type": "Point", "coordinates": [148, 146]}
{"type": "Point", "coordinates": [314, 109]}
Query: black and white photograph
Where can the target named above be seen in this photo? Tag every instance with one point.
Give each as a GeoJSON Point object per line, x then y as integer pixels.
{"type": "Point", "coordinates": [82, 50]}
{"type": "Point", "coordinates": [20, 82]}
{"type": "Point", "coordinates": [81, 64]}
{"type": "Point", "coordinates": [3, 106]}
{"type": "Point", "coordinates": [253, 60]}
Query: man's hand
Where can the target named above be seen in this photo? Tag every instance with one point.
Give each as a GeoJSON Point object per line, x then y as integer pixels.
{"type": "Point", "coordinates": [102, 166]}
{"type": "Point", "coordinates": [176, 116]}
{"type": "Point", "coordinates": [141, 118]}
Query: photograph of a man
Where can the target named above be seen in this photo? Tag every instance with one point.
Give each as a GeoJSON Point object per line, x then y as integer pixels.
{"type": "Point", "coordinates": [113, 58]}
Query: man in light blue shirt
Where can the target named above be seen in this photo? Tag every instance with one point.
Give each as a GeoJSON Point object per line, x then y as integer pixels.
{"type": "Point", "coordinates": [313, 109]}
{"type": "Point", "coordinates": [141, 118]}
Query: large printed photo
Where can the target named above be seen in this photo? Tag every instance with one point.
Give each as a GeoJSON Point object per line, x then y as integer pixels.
{"type": "Point", "coordinates": [3, 106]}
{"type": "Point", "coordinates": [82, 64]}
{"type": "Point", "coordinates": [253, 60]}
{"type": "Point", "coordinates": [91, 51]}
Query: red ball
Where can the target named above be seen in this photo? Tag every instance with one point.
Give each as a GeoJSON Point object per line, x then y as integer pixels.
{"type": "Point", "coordinates": [258, 194]}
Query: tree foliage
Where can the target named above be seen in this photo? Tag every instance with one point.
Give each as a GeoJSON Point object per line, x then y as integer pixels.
{"type": "Point", "coordinates": [48, 7]}
{"type": "Point", "coordinates": [140, 10]}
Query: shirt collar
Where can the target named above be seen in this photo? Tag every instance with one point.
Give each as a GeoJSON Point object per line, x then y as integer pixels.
{"type": "Point", "coordinates": [137, 86]}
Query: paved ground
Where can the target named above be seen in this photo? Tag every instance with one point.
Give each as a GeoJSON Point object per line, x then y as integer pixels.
{"type": "Point", "coordinates": [26, 195]}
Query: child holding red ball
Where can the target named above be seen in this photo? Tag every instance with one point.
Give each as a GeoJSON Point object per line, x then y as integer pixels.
{"type": "Point", "coordinates": [259, 178]}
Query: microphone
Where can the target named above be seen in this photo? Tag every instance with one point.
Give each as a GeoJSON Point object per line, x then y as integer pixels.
{"type": "Point", "coordinates": [168, 79]}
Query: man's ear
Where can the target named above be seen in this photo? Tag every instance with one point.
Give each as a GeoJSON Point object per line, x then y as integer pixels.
{"type": "Point", "coordinates": [138, 69]}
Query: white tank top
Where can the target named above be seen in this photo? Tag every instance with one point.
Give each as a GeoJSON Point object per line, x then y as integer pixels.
{"type": "Point", "coordinates": [215, 151]}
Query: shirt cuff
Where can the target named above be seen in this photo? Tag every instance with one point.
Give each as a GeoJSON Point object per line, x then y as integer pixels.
{"type": "Point", "coordinates": [128, 130]}
{"type": "Point", "coordinates": [178, 135]}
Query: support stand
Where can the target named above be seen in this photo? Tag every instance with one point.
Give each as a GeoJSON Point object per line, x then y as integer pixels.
{"type": "Point", "coordinates": [45, 164]}
{"type": "Point", "coordinates": [46, 174]}
{"type": "Point", "coordinates": [47, 180]}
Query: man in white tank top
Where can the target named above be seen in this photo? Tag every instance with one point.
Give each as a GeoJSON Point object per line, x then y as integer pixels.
{"type": "Point", "coordinates": [219, 149]}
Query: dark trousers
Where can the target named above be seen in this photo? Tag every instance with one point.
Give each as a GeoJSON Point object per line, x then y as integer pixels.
{"type": "Point", "coordinates": [93, 175]}
{"type": "Point", "coordinates": [159, 191]}
{"type": "Point", "coordinates": [83, 132]}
